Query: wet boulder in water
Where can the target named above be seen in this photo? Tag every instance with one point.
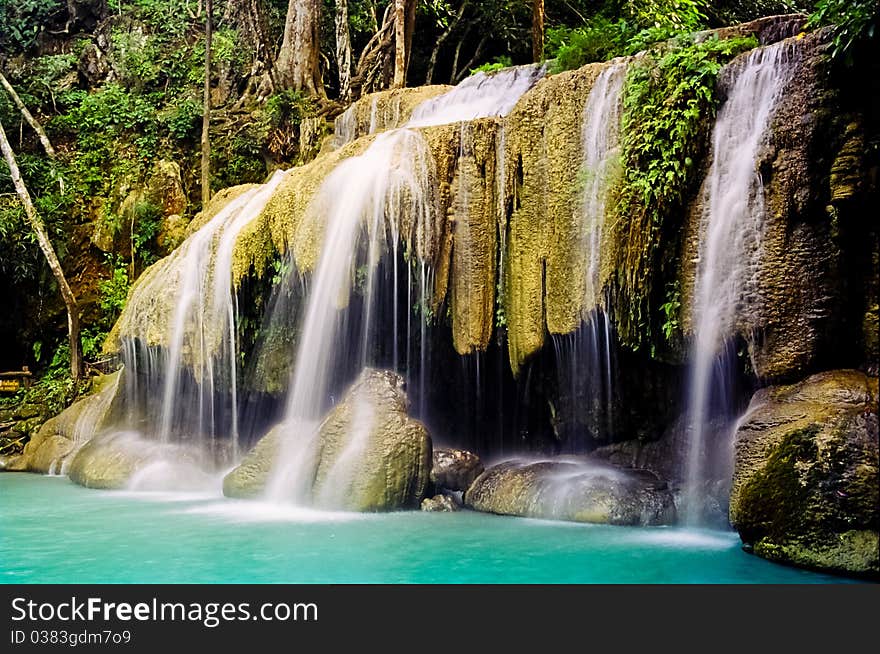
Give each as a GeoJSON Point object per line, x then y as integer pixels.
{"type": "Point", "coordinates": [805, 483]}
{"type": "Point", "coordinates": [455, 470]}
{"type": "Point", "coordinates": [577, 490]}
{"type": "Point", "coordinates": [112, 460]}
{"type": "Point", "coordinates": [439, 504]}
{"type": "Point", "coordinates": [369, 454]}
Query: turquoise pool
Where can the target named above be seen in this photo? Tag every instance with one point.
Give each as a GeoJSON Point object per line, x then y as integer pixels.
{"type": "Point", "coordinates": [55, 531]}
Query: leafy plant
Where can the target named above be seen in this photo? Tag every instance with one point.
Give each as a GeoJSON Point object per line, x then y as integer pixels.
{"type": "Point", "coordinates": [497, 64]}
{"type": "Point", "coordinates": [674, 14]}
{"type": "Point", "coordinates": [599, 40]}
{"type": "Point", "coordinates": [113, 292]}
{"type": "Point", "coordinates": [854, 22]}
{"type": "Point", "coordinates": [22, 21]}
{"type": "Point", "coordinates": [669, 100]}
{"type": "Point", "coordinates": [671, 309]}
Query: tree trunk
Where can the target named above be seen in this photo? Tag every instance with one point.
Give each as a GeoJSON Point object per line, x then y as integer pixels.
{"type": "Point", "coordinates": [49, 252]}
{"type": "Point", "coordinates": [248, 17]}
{"type": "Point", "coordinates": [466, 68]}
{"type": "Point", "coordinates": [374, 70]}
{"type": "Point", "coordinates": [432, 62]}
{"type": "Point", "coordinates": [537, 30]}
{"type": "Point", "coordinates": [298, 62]}
{"type": "Point", "coordinates": [399, 44]}
{"type": "Point", "coordinates": [47, 145]}
{"type": "Point", "coordinates": [206, 108]}
{"type": "Point", "coordinates": [343, 49]}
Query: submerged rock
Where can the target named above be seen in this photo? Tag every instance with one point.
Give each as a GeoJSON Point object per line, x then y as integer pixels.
{"type": "Point", "coordinates": [439, 504]}
{"type": "Point", "coordinates": [455, 470]}
{"type": "Point", "coordinates": [805, 485]}
{"type": "Point", "coordinates": [575, 490]}
{"type": "Point", "coordinates": [369, 455]}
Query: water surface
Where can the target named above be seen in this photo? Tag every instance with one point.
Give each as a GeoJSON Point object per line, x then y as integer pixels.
{"type": "Point", "coordinates": [53, 531]}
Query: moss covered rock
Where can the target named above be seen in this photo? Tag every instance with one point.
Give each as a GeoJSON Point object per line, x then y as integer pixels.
{"type": "Point", "coordinates": [805, 485]}
{"type": "Point", "coordinates": [369, 455]}
{"type": "Point", "coordinates": [574, 490]}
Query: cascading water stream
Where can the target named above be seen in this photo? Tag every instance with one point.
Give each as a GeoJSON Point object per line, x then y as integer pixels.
{"type": "Point", "coordinates": [368, 205]}
{"type": "Point", "coordinates": [729, 249]}
{"type": "Point", "coordinates": [200, 338]}
{"type": "Point", "coordinates": [584, 358]}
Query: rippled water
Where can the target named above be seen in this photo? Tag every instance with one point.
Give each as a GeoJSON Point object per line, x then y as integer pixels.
{"type": "Point", "coordinates": [54, 531]}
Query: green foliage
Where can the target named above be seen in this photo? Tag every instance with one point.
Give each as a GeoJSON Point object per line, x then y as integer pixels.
{"type": "Point", "coordinates": [854, 23]}
{"type": "Point", "coordinates": [288, 108]}
{"type": "Point", "coordinates": [669, 101]}
{"type": "Point", "coordinates": [671, 310]}
{"type": "Point", "coordinates": [599, 40]}
{"type": "Point", "coordinates": [668, 14]}
{"type": "Point", "coordinates": [490, 67]}
{"type": "Point", "coordinates": [21, 22]}
{"type": "Point", "coordinates": [113, 292]}
{"type": "Point", "coordinates": [602, 39]}
{"type": "Point", "coordinates": [183, 119]}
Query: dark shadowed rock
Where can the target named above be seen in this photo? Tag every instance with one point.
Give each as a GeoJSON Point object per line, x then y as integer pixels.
{"type": "Point", "coordinates": [455, 470]}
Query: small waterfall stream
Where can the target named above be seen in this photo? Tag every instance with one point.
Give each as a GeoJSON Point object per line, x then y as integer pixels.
{"type": "Point", "coordinates": [584, 358]}
{"type": "Point", "coordinates": [196, 284]}
{"type": "Point", "coordinates": [729, 254]}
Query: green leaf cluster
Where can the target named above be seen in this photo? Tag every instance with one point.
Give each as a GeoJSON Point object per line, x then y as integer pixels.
{"type": "Point", "coordinates": [669, 102]}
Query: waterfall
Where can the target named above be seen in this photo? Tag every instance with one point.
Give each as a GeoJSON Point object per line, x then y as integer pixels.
{"type": "Point", "coordinates": [368, 206]}
{"type": "Point", "coordinates": [196, 373]}
{"type": "Point", "coordinates": [731, 232]}
{"type": "Point", "coordinates": [479, 96]}
{"type": "Point", "coordinates": [584, 358]}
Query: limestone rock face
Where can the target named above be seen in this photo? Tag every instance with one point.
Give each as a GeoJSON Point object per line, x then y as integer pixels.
{"type": "Point", "coordinates": [806, 163]}
{"type": "Point", "coordinates": [805, 485]}
{"type": "Point", "coordinates": [455, 470]}
{"type": "Point", "coordinates": [574, 490]}
{"type": "Point", "coordinates": [368, 454]}
{"type": "Point", "coordinates": [383, 110]}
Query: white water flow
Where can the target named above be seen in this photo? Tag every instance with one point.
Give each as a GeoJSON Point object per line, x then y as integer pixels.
{"type": "Point", "coordinates": [367, 206]}
{"type": "Point", "coordinates": [600, 137]}
{"type": "Point", "coordinates": [730, 242]}
{"type": "Point", "coordinates": [584, 359]}
{"type": "Point", "coordinates": [201, 339]}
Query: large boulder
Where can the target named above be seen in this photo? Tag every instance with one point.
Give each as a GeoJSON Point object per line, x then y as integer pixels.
{"type": "Point", "coordinates": [805, 484]}
{"type": "Point", "coordinates": [117, 460]}
{"type": "Point", "coordinates": [110, 461]}
{"type": "Point", "coordinates": [578, 490]}
{"type": "Point", "coordinates": [455, 470]}
{"type": "Point", "coordinates": [368, 454]}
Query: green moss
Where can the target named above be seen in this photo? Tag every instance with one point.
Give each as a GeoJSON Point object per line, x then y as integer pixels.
{"type": "Point", "coordinates": [773, 501]}
{"type": "Point", "coordinates": [669, 104]}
